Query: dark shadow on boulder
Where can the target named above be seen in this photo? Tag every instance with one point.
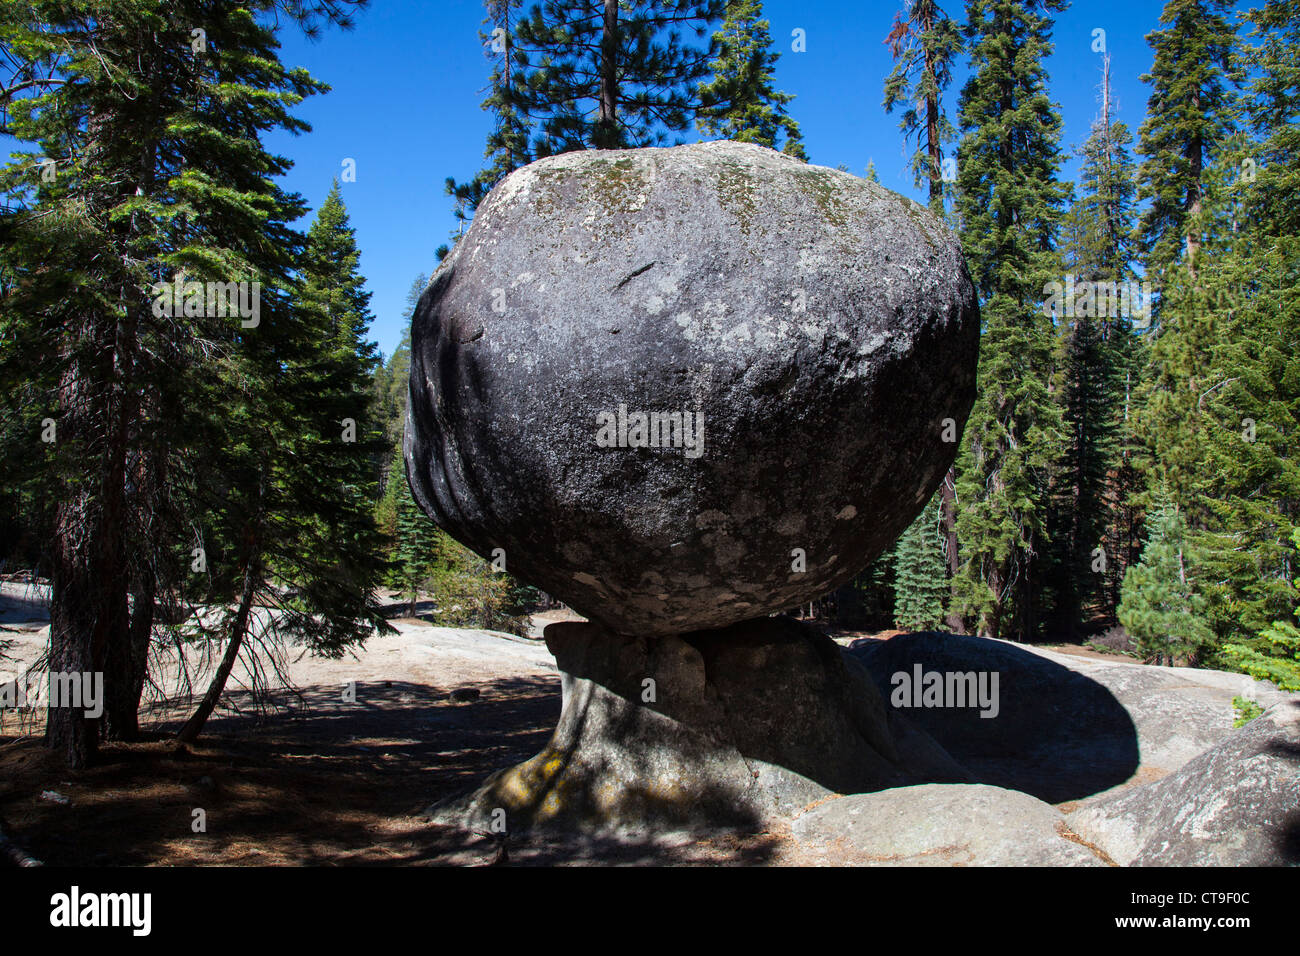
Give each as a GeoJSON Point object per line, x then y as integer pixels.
{"type": "Point", "coordinates": [1057, 735]}
{"type": "Point", "coordinates": [1288, 838]}
{"type": "Point", "coordinates": [1288, 842]}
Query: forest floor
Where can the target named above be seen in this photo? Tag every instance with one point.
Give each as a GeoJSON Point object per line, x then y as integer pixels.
{"type": "Point", "coordinates": [317, 779]}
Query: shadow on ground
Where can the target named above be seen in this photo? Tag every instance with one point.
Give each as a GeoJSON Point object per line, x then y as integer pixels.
{"type": "Point", "coordinates": [1057, 735]}
{"type": "Point", "coordinates": [328, 783]}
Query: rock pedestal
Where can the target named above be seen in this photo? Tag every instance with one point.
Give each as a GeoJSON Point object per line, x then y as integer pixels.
{"type": "Point", "coordinates": [739, 725]}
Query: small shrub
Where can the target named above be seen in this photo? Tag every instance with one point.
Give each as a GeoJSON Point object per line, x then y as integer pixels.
{"type": "Point", "coordinates": [1114, 640]}
{"type": "Point", "coordinates": [1247, 710]}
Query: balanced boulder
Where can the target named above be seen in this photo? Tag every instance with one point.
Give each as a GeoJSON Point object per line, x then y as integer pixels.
{"type": "Point", "coordinates": [682, 388]}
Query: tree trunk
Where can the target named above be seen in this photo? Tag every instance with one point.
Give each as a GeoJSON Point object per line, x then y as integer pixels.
{"type": "Point", "coordinates": [88, 608]}
{"type": "Point", "coordinates": [194, 726]}
{"type": "Point", "coordinates": [72, 624]}
{"type": "Point", "coordinates": [606, 132]}
{"type": "Point", "coordinates": [122, 708]}
{"type": "Point", "coordinates": [1195, 161]}
{"type": "Point", "coordinates": [932, 122]}
{"type": "Point", "coordinates": [128, 652]}
{"type": "Point", "coordinates": [948, 518]}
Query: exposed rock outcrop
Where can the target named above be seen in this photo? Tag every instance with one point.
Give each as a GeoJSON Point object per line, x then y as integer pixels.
{"type": "Point", "coordinates": [1237, 804]}
{"type": "Point", "coordinates": [942, 825]}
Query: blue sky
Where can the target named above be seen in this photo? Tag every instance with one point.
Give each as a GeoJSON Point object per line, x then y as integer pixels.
{"type": "Point", "coordinates": [408, 79]}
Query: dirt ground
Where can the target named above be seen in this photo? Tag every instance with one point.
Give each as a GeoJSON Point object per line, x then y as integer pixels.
{"type": "Point", "coordinates": [323, 787]}
{"type": "Point", "coordinates": [321, 780]}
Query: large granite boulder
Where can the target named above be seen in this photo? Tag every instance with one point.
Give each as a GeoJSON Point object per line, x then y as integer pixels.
{"type": "Point", "coordinates": [1237, 804]}
{"type": "Point", "coordinates": [941, 825]}
{"type": "Point", "coordinates": [813, 333]}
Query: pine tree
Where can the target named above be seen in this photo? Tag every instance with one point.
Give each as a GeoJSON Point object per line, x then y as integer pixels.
{"type": "Point", "coordinates": [920, 575]}
{"type": "Point", "coordinates": [507, 144]}
{"type": "Point", "coordinates": [1097, 364]}
{"type": "Point", "coordinates": [1169, 413]}
{"type": "Point", "coordinates": [469, 592]}
{"type": "Point", "coordinates": [1009, 203]}
{"type": "Point", "coordinates": [1248, 412]}
{"type": "Point", "coordinates": [1275, 656]}
{"type": "Point", "coordinates": [416, 540]}
{"type": "Point", "coordinates": [293, 526]}
{"type": "Point", "coordinates": [1088, 392]}
{"type": "Point", "coordinates": [1191, 118]}
{"type": "Point", "coordinates": [1249, 398]}
{"type": "Point", "coordinates": [148, 167]}
{"type": "Point", "coordinates": [868, 600]}
{"type": "Point", "coordinates": [1161, 608]}
{"type": "Point", "coordinates": [332, 286]}
{"type": "Point", "coordinates": [924, 45]}
{"type": "Point", "coordinates": [1273, 109]}
{"type": "Point", "coordinates": [611, 75]}
{"type": "Point", "coordinates": [1189, 115]}
{"type": "Point", "coordinates": [740, 103]}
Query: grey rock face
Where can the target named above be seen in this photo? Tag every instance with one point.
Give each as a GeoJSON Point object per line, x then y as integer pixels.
{"type": "Point", "coordinates": [942, 825]}
{"type": "Point", "coordinates": [813, 330]}
{"type": "Point", "coordinates": [1178, 712]}
{"type": "Point", "coordinates": [741, 725]}
{"type": "Point", "coordinates": [1237, 804]}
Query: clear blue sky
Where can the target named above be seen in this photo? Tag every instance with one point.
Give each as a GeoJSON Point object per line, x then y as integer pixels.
{"type": "Point", "coordinates": [408, 80]}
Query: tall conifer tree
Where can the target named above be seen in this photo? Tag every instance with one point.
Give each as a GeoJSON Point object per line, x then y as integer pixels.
{"type": "Point", "coordinates": [293, 521]}
{"type": "Point", "coordinates": [611, 75]}
{"type": "Point", "coordinates": [1189, 115]}
{"type": "Point", "coordinates": [1249, 400]}
{"type": "Point", "coordinates": [145, 120]}
{"type": "Point", "coordinates": [920, 582]}
{"type": "Point", "coordinates": [508, 142]}
{"type": "Point", "coordinates": [1096, 366]}
{"type": "Point", "coordinates": [1190, 119]}
{"type": "Point", "coordinates": [924, 44]}
{"type": "Point", "coordinates": [1009, 203]}
{"type": "Point", "coordinates": [1162, 608]}
{"type": "Point", "coordinates": [740, 103]}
